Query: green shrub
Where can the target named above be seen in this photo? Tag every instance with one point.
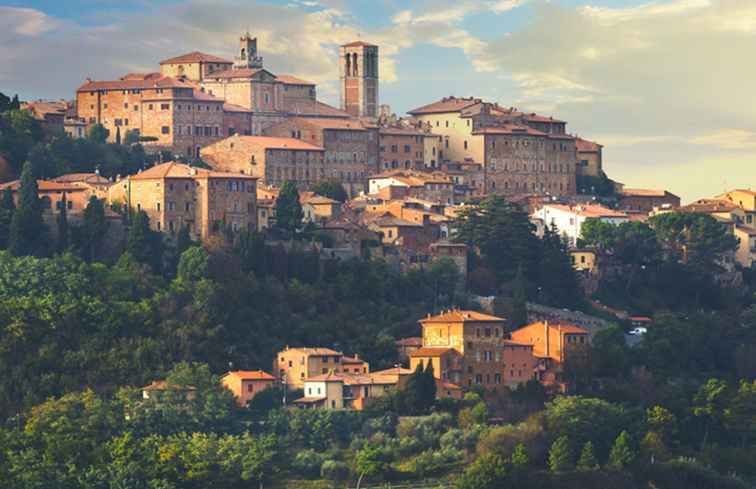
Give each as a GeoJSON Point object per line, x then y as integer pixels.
{"type": "Point", "coordinates": [334, 470]}
{"type": "Point", "coordinates": [308, 463]}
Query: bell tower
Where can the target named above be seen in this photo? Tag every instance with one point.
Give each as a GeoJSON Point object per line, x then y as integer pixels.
{"type": "Point", "coordinates": [248, 57]}
{"type": "Point", "coordinates": [358, 74]}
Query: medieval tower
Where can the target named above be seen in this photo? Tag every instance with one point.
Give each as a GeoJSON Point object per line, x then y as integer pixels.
{"type": "Point", "coordinates": [248, 57]}
{"type": "Point", "coordinates": [358, 73]}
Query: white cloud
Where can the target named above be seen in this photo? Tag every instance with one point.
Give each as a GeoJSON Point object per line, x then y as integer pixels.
{"type": "Point", "coordinates": [25, 21]}
{"type": "Point", "coordinates": [502, 6]}
{"type": "Point", "coordinates": [728, 139]}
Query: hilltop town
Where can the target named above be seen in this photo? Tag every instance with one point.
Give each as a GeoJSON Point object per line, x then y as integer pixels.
{"type": "Point", "coordinates": [209, 250]}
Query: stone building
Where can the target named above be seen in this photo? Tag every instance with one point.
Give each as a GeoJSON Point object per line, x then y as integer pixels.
{"type": "Point", "coordinates": [297, 89]}
{"type": "Point", "coordinates": [471, 348]}
{"type": "Point", "coordinates": [246, 384]}
{"type": "Point", "coordinates": [590, 158]}
{"type": "Point", "coordinates": [432, 186]}
{"type": "Point", "coordinates": [346, 144]}
{"type": "Point", "coordinates": [645, 200]}
{"type": "Point", "coordinates": [194, 66]}
{"type": "Point", "coordinates": [175, 113]}
{"type": "Point", "coordinates": [174, 195]}
{"type": "Point", "coordinates": [294, 366]}
{"type": "Point", "coordinates": [358, 74]}
{"type": "Point", "coordinates": [271, 159]}
{"type": "Point", "coordinates": [401, 148]}
{"type": "Point", "coordinates": [519, 152]}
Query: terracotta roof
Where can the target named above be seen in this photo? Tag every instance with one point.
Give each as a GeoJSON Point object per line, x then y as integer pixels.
{"type": "Point", "coordinates": [446, 104]}
{"type": "Point", "coordinates": [133, 84]}
{"type": "Point", "coordinates": [292, 80]}
{"type": "Point", "coordinates": [270, 142]}
{"type": "Point", "coordinates": [533, 117]}
{"type": "Point", "coordinates": [43, 107]}
{"type": "Point", "coordinates": [312, 108]}
{"type": "Point", "coordinates": [460, 316]}
{"type": "Point", "coordinates": [307, 197]}
{"type": "Point", "coordinates": [47, 186]}
{"type": "Point", "coordinates": [237, 73]}
{"type": "Point", "coordinates": [180, 170]}
{"type": "Point", "coordinates": [394, 371]}
{"type": "Point", "coordinates": [228, 107]}
{"type": "Point", "coordinates": [414, 341]}
{"type": "Point", "coordinates": [355, 44]}
{"type": "Point", "coordinates": [370, 379]}
{"type": "Point", "coordinates": [315, 351]}
{"type": "Point", "coordinates": [351, 360]}
{"type": "Point", "coordinates": [141, 76]}
{"type": "Point", "coordinates": [430, 352]}
{"type": "Point", "coordinates": [195, 57]}
{"type": "Point", "coordinates": [585, 146]}
{"type": "Point", "coordinates": [709, 206]}
{"type": "Point", "coordinates": [587, 210]}
{"type": "Point", "coordinates": [387, 220]}
{"type": "Point", "coordinates": [565, 328]}
{"type": "Point", "coordinates": [81, 177]}
{"type": "Point", "coordinates": [336, 124]}
{"type": "Point", "coordinates": [642, 192]}
{"type": "Point", "coordinates": [251, 375]}
{"type": "Point", "coordinates": [197, 95]}
{"type": "Point", "coordinates": [448, 385]}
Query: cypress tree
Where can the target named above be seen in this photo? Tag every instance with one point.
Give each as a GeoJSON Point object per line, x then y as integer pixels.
{"type": "Point", "coordinates": [560, 458]}
{"type": "Point", "coordinates": [27, 230]}
{"type": "Point", "coordinates": [412, 392]}
{"type": "Point", "coordinates": [15, 103]}
{"type": "Point", "coordinates": [7, 207]}
{"type": "Point", "coordinates": [118, 135]}
{"type": "Point", "coordinates": [621, 454]}
{"type": "Point", "coordinates": [428, 390]}
{"type": "Point", "coordinates": [63, 226]}
{"type": "Point", "coordinates": [144, 244]}
{"type": "Point", "coordinates": [519, 300]}
{"type": "Point", "coordinates": [288, 209]}
{"type": "Point", "coordinates": [95, 226]}
{"type": "Point", "coordinates": [587, 460]}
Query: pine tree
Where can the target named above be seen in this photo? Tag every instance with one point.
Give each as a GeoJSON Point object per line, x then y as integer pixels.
{"type": "Point", "coordinates": [27, 230]}
{"type": "Point", "coordinates": [62, 220]}
{"type": "Point", "coordinates": [621, 454]}
{"type": "Point", "coordinates": [289, 213]}
{"type": "Point", "coordinates": [587, 460]}
{"type": "Point", "coordinates": [560, 457]}
{"type": "Point", "coordinates": [7, 207]}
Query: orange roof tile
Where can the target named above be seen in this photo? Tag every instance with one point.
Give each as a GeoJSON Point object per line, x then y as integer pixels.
{"type": "Point", "coordinates": [585, 146]}
{"type": "Point", "coordinates": [251, 375]}
{"type": "Point", "coordinates": [355, 44]}
{"type": "Point", "coordinates": [335, 124]}
{"type": "Point", "coordinates": [292, 80]}
{"type": "Point", "coordinates": [132, 84]}
{"type": "Point", "coordinates": [460, 316]}
{"type": "Point", "coordinates": [352, 360]}
{"type": "Point", "coordinates": [312, 108]}
{"type": "Point", "coordinates": [414, 341]}
{"type": "Point", "coordinates": [271, 142]}
{"type": "Point", "coordinates": [195, 57]}
{"type": "Point", "coordinates": [315, 351]}
{"type": "Point", "coordinates": [564, 328]}
{"type": "Point", "coordinates": [643, 192]}
{"type": "Point", "coordinates": [510, 129]}
{"type": "Point", "coordinates": [238, 73]}
{"type": "Point", "coordinates": [446, 104]}
{"type": "Point", "coordinates": [588, 210]}
{"type": "Point", "coordinates": [180, 170]}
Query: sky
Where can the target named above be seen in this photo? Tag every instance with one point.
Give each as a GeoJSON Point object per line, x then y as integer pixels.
{"type": "Point", "coordinates": [666, 86]}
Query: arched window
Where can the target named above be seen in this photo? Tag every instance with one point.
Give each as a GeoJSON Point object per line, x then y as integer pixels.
{"type": "Point", "coordinates": [348, 65]}
{"type": "Point", "coordinates": [354, 65]}
{"type": "Point", "coordinates": [243, 53]}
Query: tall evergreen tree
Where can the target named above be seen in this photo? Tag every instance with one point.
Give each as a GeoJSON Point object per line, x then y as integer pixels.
{"type": "Point", "coordinates": [15, 103]}
{"type": "Point", "coordinates": [118, 135]}
{"type": "Point", "coordinates": [428, 389]}
{"type": "Point", "coordinates": [63, 238]}
{"type": "Point", "coordinates": [560, 456]}
{"type": "Point", "coordinates": [144, 244]}
{"type": "Point", "coordinates": [556, 273]}
{"type": "Point", "coordinates": [288, 209]}
{"type": "Point", "coordinates": [95, 227]}
{"type": "Point", "coordinates": [28, 234]}
{"type": "Point", "coordinates": [621, 454]}
{"type": "Point", "coordinates": [519, 300]}
{"type": "Point", "coordinates": [587, 460]}
{"type": "Point", "coordinates": [7, 207]}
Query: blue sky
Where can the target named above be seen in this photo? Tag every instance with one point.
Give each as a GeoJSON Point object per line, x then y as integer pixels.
{"type": "Point", "coordinates": [665, 85]}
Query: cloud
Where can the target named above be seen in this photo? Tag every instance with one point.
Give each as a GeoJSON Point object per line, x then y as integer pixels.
{"type": "Point", "coordinates": [729, 139]}
{"type": "Point", "coordinates": [667, 80]}
{"type": "Point", "coordinates": [25, 21]}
